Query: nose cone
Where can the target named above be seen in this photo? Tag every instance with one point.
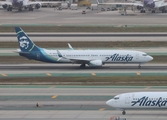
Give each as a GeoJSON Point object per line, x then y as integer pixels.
{"type": "Point", "coordinates": [150, 58]}
{"type": "Point", "coordinates": [109, 102]}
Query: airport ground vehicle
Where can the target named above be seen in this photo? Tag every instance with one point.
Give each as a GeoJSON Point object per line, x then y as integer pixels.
{"type": "Point", "coordinates": [83, 12]}
{"type": "Point", "coordinates": [74, 6]}
{"type": "Point", "coordinates": [102, 9]}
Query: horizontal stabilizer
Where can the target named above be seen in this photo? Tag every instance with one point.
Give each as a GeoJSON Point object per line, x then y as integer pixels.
{"type": "Point", "coordinates": [19, 51]}
{"type": "Point", "coordinates": [23, 52]}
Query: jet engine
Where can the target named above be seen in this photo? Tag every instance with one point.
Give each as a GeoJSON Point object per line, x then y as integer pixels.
{"type": "Point", "coordinates": [5, 6]}
{"type": "Point", "coordinates": [139, 7]}
{"type": "Point", "coordinates": [37, 6]}
{"type": "Point", "coordinates": [96, 63]}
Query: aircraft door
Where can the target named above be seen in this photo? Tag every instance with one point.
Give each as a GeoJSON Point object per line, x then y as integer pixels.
{"type": "Point", "coordinates": [137, 56]}
{"type": "Point", "coordinates": [127, 99]}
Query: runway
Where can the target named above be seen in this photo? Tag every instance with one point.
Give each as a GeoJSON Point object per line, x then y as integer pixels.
{"type": "Point", "coordinates": [82, 39]}
{"type": "Point", "coordinates": [69, 102]}
{"type": "Point", "coordinates": [70, 68]}
{"type": "Point", "coordinates": [89, 34]}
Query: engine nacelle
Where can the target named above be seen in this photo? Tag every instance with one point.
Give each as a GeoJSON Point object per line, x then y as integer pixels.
{"type": "Point", "coordinates": [37, 6]}
{"type": "Point", "coordinates": [96, 63]}
{"type": "Point", "coordinates": [5, 6]}
{"type": "Point", "coordinates": [139, 7]}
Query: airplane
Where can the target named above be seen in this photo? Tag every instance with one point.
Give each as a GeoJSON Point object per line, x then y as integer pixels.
{"type": "Point", "coordinates": [139, 100]}
{"type": "Point", "coordinates": [93, 58]}
{"type": "Point", "coordinates": [152, 5]}
{"type": "Point", "coordinates": [24, 4]}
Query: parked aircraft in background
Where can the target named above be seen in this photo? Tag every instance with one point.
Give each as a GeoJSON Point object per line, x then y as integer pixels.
{"type": "Point", "coordinates": [24, 4]}
{"type": "Point", "coordinates": [90, 57]}
{"type": "Point", "coordinates": [139, 100]}
{"type": "Point", "coordinates": [144, 5]}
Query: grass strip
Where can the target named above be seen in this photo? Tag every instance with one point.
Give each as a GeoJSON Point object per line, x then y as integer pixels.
{"type": "Point", "coordinates": [55, 28]}
{"type": "Point", "coordinates": [95, 80]}
{"type": "Point", "coordinates": [96, 45]}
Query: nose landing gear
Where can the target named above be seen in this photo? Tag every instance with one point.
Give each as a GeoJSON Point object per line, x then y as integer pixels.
{"type": "Point", "coordinates": [123, 112]}
{"type": "Point", "coordinates": [139, 66]}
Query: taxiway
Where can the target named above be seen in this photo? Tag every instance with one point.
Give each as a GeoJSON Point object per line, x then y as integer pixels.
{"type": "Point", "coordinates": [49, 16]}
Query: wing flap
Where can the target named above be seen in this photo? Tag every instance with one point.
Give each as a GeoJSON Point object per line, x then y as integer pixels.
{"type": "Point", "coordinates": [5, 2]}
{"type": "Point", "coordinates": [79, 60]}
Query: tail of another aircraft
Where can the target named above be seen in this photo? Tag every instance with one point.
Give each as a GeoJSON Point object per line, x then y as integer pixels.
{"type": "Point", "coordinates": [97, 1]}
{"type": "Point", "coordinates": [25, 43]}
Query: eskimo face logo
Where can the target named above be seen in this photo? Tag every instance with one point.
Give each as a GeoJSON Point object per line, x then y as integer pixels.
{"type": "Point", "coordinates": [24, 43]}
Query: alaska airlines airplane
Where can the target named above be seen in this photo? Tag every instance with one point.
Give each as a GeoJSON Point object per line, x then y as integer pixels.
{"type": "Point", "coordinates": [139, 100]}
{"type": "Point", "coordinates": [90, 57]}
{"type": "Point", "coordinates": [143, 5]}
{"type": "Point", "coordinates": [24, 4]}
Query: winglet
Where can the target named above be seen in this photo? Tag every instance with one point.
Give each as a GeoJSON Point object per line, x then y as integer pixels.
{"type": "Point", "coordinates": [98, 2]}
{"type": "Point", "coordinates": [59, 54]}
{"type": "Point", "coordinates": [71, 48]}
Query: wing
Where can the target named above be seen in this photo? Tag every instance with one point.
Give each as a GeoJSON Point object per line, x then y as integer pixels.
{"type": "Point", "coordinates": [163, 4]}
{"type": "Point", "coordinates": [125, 4]}
{"type": "Point", "coordinates": [79, 60]}
{"type": "Point", "coordinates": [42, 2]}
{"type": "Point", "coordinates": [5, 3]}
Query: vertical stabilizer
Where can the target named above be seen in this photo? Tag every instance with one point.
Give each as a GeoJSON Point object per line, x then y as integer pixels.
{"type": "Point", "coordinates": [25, 43]}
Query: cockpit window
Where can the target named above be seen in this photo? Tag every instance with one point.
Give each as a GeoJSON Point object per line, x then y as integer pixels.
{"type": "Point", "coordinates": [116, 98]}
{"type": "Point", "coordinates": [144, 54]}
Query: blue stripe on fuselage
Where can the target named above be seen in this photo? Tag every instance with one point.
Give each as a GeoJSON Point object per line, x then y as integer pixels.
{"type": "Point", "coordinates": [46, 58]}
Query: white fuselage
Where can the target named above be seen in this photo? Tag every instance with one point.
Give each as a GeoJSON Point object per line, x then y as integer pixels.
{"type": "Point", "coordinates": [139, 100]}
{"type": "Point", "coordinates": [106, 56]}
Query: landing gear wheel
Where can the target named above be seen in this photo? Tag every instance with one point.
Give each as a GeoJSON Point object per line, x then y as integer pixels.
{"type": "Point", "coordinates": [142, 11]}
{"type": "Point", "coordinates": [31, 9]}
{"type": "Point", "coordinates": [123, 112]}
{"type": "Point", "coordinates": [82, 66]}
{"type": "Point", "coordinates": [139, 66]}
{"type": "Point", "coordinates": [153, 11]}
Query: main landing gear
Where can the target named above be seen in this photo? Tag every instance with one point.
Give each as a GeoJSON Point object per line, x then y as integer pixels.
{"type": "Point", "coordinates": [164, 11]}
{"type": "Point", "coordinates": [9, 8]}
{"type": "Point", "coordinates": [123, 112]}
{"type": "Point", "coordinates": [139, 66]}
{"type": "Point", "coordinates": [153, 11]}
{"type": "Point", "coordinates": [31, 8]}
{"type": "Point", "coordinates": [82, 65]}
{"type": "Point", "coordinates": [142, 11]}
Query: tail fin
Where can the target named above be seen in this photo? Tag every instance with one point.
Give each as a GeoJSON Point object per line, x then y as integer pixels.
{"type": "Point", "coordinates": [98, 2]}
{"type": "Point", "coordinates": [25, 43]}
